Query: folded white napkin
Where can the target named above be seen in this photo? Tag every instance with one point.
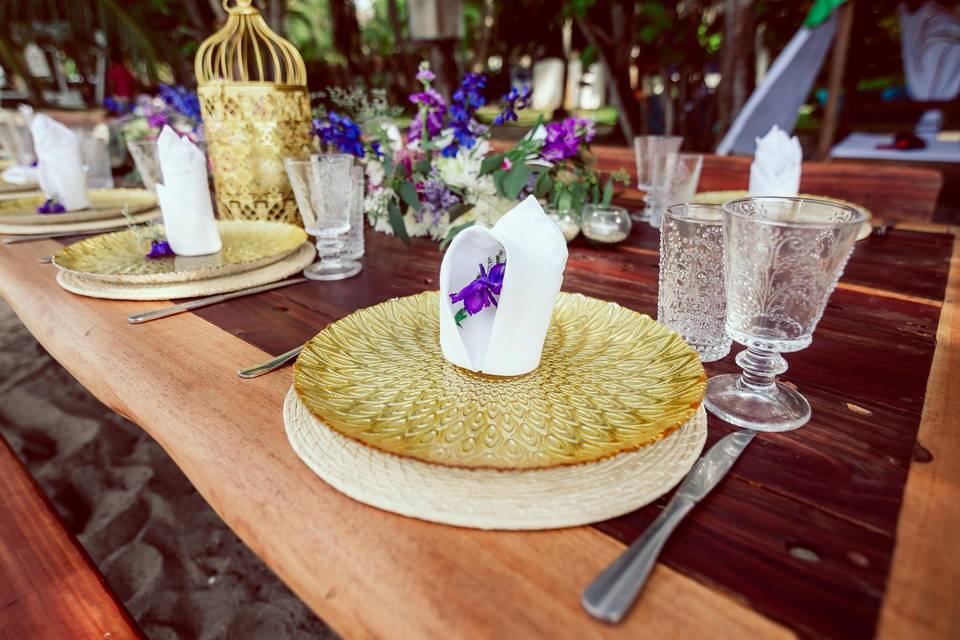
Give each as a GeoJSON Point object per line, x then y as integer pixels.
{"type": "Point", "coordinates": [184, 196]}
{"type": "Point", "coordinates": [506, 339]}
{"type": "Point", "coordinates": [776, 165]}
{"type": "Point", "coordinates": [60, 165]}
{"type": "Point", "coordinates": [16, 174]}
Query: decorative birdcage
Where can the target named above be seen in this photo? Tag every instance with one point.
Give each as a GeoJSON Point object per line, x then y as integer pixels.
{"type": "Point", "coordinates": [252, 86]}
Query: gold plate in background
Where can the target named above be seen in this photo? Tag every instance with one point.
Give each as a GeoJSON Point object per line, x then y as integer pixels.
{"type": "Point", "coordinates": [720, 197]}
{"type": "Point", "coordinates": [122, 256]}
{"type": "Point", "coordinates": [104, 203]}
{"type": "Point", "coordinates": [610, 380]}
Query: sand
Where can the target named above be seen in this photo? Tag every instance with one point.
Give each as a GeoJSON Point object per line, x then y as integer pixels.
{"type": "Point", "coordinates": [176, 566]}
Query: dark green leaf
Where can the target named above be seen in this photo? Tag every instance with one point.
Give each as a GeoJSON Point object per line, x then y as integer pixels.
{"type": "Point", "coordinates": [423, 167]}
{"type": "Point", "coordinates": [543, 185]}
{"type": "Point", "coordinates": [455, 212]}
{"type": "Point", "coordinates": [453, 233]}
{"type": "Point", "coordinates": [515, 180]}
{"type": "Point", "coordinates": [460, 316]}
{"type": "Point", "coordinates": [491, 164]}
{"type": "Point", "coordinates": [409, 194]}
{"type": "Point", "coordinates": [396, 222]}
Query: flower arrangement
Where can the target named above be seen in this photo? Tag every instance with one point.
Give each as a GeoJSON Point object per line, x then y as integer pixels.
{"type": "Point", "coordinates": [146, 115]}
{"type": "Point", "coordinates": [440, 177]}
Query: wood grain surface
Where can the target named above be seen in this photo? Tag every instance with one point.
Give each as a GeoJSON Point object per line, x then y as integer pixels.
{"type": "Point", "coordinates": [800, 538]}
{"type": "Point", "coordinates": [49, 587]}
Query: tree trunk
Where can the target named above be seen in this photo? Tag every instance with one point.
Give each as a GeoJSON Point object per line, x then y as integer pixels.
{"type": "Point", "coordinates": [275, 15]}
{"type": "Point", "coordinates": [346, 35]}
{"type": "Point", "coordinates": [735, 60]}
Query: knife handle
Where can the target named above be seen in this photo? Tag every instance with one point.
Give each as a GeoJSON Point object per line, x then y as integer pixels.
{"type": "Point", "coordinates": [611, 595]}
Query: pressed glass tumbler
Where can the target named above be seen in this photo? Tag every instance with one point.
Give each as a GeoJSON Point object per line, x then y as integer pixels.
{"type": "Point", "coordinates": [691, 298]}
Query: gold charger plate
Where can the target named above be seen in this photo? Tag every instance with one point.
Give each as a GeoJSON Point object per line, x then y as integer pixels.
{"type": "Point", "coordinates": [610, 380]}
{"type": "Point", "coordinates": [121, 257]}
{"type": "Point", "coordinates": [104, 203]}
{"type": "Point", "coordinates": [719, 197]}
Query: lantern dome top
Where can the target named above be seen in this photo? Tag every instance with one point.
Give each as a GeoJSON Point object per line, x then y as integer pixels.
{"type": "Point", "coordinates": [246, 49]}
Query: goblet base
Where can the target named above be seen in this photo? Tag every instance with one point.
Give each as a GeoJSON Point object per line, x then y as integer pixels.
{"type": "Point", "coordinates": [775, 408]}
{"type": "Point", "coordinates": [332, 270]}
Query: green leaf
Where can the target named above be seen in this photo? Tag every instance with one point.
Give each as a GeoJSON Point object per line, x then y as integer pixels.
{"type": "Point", "coordinates": [453, 233]}
{"type": "Point", "coordinates": [595, 193]}
{"type": "Point", "coordinates": [607, 193]}
{"type": "Point", "coordinates": [460, 316]}
{"type": "Point", "coordinates": [498, 176]}
{"type": "Point", "coordinates": [387, 166]}
{"type": "Point", "coordinates": [543, 185]}
{"type": "Point", "coordinates": [491, 163]}
{"type": "Point", "coordinates": [396, 221]}
{"type": "Point", "coordinates": [423, 167]}
{"type": "Point", "coordinates": [516, 180]}
{"type": "Point", "coordinates": [409, 194]}
{"type": "Point", "coordinates": [455, 212]}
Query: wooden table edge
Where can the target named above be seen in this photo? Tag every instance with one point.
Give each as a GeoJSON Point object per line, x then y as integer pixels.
{"type": "Point", "coordinates": [924, 583]}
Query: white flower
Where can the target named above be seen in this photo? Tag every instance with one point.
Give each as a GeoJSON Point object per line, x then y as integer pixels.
{"type": "Point", "coordinates": [374, 171]}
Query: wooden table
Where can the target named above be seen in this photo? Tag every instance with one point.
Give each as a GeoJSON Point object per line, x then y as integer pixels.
{"type": "Point", "coordinates": [843, 529]}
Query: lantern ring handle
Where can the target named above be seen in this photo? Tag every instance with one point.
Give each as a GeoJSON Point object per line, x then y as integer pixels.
{"type": "Point", "coordinates": [240, 6]}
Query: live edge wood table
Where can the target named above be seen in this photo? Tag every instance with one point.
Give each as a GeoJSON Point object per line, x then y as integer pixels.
{"type": "Point", "coordinates": [846, 528]}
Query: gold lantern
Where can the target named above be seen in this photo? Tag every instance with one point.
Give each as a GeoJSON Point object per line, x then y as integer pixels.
{"type": "Point", "coordinates": [252, 86]}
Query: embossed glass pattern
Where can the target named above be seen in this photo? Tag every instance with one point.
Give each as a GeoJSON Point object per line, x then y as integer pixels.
{"type": "Point", "coordinates": [676, 182]}
{"type": "Point", "coordinates": [353, 244]}
{"type": "Point", "coordinates": [691, 298]}
{"type": "Point", "coordinates": [610, 380]}
{"type": "Point", "coordinates": [147, 161]}
{"type": "Point", "coordinates": [783, 257]}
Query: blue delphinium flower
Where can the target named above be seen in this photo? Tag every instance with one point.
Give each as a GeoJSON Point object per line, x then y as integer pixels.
{"type": "Point", "coordinates": [181, 100]}
{"type": "Point", "coordinates": [514, 101]}
{"type": "Point", "coordinates": [159, 249]}
{"type": "Point", "coordinates": [466, 100]}
{"type": "Point", "coordinates": [340, 131]}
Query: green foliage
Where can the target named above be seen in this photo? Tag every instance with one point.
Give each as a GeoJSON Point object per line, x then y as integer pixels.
{"type": "Point", "coordinates": [395, 218]}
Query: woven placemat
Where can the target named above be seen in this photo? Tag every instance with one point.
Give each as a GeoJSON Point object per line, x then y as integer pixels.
{"type": "Point", "coordinates": [107, 224]}
{"type": "Point", "coordinates": [116, 291]}
{"type": "Point", "coordinates": [489, 499]}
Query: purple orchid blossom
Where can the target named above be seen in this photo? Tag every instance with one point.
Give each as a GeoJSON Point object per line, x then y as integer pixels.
{"type": "Point", "coordinates": [479, 294]}
{"type": "Point", "coordinates": [159, 249]}
{"type": "Point", "coordinates": [564, 138]}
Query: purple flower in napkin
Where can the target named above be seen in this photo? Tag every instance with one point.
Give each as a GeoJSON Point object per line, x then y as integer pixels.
{"type": "Point", "coordinates": [479, 294]}
{"type": "Point", "coordinates": [159, 249]}
{"type": "Point", "coordinates": [51, 205]}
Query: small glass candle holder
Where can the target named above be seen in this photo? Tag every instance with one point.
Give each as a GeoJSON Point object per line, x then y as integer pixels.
{"type": "Point", "coordinates": [605, 224]}
{"type": "Point", "coordinates": [567, 220]}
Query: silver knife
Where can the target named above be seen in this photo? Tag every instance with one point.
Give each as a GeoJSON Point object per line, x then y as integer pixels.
{"type": "Point", "coordinates": [613, 592]}
{"type": "Point", "coordinates": [140, 318]}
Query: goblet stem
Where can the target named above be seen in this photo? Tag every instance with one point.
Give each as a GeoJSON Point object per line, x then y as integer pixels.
{"type": "Point", "coordinates": [760, 369]}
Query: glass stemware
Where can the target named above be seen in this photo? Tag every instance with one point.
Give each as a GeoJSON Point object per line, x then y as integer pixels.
{"type": "Point", "coordinates": [676, 181]}
{"type": "Point", "coordinates": [147, 161]}
{"type": "Point", "coordinates": [605, 224]}
{"type": "Point", "coordinates": [691, 299]}
{"type": "Point", "coordinates": [354, 245]}
{"type": "Point", "coordinates": [324, 189]}
{"type": "Point", "coordinates": [651, 154]}
{"type": "Point", "coordinates": [782, 259]}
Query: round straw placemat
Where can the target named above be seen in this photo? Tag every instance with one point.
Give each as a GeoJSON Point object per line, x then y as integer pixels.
{"type": "Point", "coordinates": [108, 224]}
{"type": "Point", "coordinates": [224, 284]}
{"type": "Point", "coordinates": [489, 499]}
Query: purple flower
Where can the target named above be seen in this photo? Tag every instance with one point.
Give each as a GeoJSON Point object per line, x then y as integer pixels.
{"type": "Point", "coordinates": [51, 205]}
{"type": "Point", "coordinates": [479, 294]}
{"type": "Point", "coordinates": [431, 104]}
{"type": "Point", "coordinates": [424, 75]}
{"type": "Point", "coordinates": [436, 198]}
{"type": "Point", "coordinates": [159, 249]}
{"type": "Point", "coordinates": [564, 138]}
{"type": "Point", "coordinates": [183, 101]}
{"type": "Point", "coordinates": [157, 120]}
{"type": "Point", "coordinates": [514, 101]}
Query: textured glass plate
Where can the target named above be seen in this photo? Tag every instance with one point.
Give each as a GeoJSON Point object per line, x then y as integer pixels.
{"type": "Point", "coordinates": [122, 256]}
{"type": "Point", "coordinates": [720, 197]}
{"type": "Point", "coordinates": [610, 380]}
{"type": "Point", "coordinates": [104, 203]}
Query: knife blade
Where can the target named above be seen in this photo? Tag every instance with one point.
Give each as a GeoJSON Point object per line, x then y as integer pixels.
{"type": "Point", "coordinates": [610, 596]}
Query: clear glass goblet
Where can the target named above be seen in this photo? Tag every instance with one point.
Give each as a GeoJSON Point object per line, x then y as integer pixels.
{"type": "Point", "coordinates": [324, 189]}
{"type": "Point", "coordinates": [147, 160]}
{"type": "Point", "coordinates": [691, 297]}
{"type": "Point", "coordinates": [782, 259]}
{"type": "Point", "coordinates": [651, 154]}
{"type": "Point", "coordinates": [676, 181]}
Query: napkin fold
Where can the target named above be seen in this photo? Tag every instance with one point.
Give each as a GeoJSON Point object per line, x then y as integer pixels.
{"type": "Point", "coordinates": [16, 174]}
{"type": "Point", "coordinates": [505, 339]}
{"type": "Point", "coordinates": [59, 162]}
{"type": "Point", "coordinates": [776, 166]}
{"type": "Point", "coordinates": [184, 196]}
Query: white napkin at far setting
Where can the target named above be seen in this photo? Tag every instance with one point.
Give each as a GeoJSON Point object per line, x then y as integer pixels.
{"type": "Point", "coordinates": [188, 220]}
{"type": "Point", "coordinates": [506, 339]}
{"type": "Point", "coordinates": [60, 165]}
{"type": "Point", "coordinates": [776, 165]}
{"type": "Point", "coordinates": [24, 176]}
